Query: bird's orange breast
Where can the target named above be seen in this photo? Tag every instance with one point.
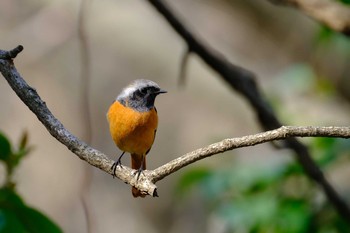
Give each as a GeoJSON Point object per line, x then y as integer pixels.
{"type": "Point", "coordinates": [132, 131]}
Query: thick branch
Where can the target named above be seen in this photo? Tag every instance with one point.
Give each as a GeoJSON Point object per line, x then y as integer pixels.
{"type": "Point", "coordinates": [334, 14]}
{"type": "Point", "coordinates": [243, 81]}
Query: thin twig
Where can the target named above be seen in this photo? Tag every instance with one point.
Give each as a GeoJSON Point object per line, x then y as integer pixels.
{"type": "Point", "coordinates": [243, 81]}
{"type": "Point", "coordinates": [12, 53]}
{"type": "Point", "coordinates": [250, 140]}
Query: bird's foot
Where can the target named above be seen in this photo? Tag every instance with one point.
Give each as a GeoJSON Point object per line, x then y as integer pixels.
{"type": "Point", "coordinates": [138, 173]}
{"type": "Point", "coordinates": [116, 164]}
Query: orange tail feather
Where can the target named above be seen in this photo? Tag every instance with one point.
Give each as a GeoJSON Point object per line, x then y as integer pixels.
{"type": "Point", "coordinates": [136, 162]}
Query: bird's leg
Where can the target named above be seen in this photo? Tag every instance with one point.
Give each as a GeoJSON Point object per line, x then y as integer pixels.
{"type": "Point", "coordinates": [139, 171]}
{"type": "Point", "coordinates": [117, 163]}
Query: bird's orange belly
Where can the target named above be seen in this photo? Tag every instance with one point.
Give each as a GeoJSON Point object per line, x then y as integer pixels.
{"type": "Point", "coordinates": [132, 131]}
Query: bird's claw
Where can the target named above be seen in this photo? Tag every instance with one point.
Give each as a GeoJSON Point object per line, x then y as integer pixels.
{"type": "Point", "coordinates": [138, 173]}
{"type": "Point", "coordinates": [116, 164]}
{"type": "Point", "coordinates": [114, 167]}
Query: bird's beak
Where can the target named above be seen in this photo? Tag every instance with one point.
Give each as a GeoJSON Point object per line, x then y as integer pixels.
{"type": "Point", "coordinates": [161, 92]}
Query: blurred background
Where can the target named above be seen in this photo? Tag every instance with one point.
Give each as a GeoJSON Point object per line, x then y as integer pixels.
{"type": "Point", "coordinates": [302, 68]}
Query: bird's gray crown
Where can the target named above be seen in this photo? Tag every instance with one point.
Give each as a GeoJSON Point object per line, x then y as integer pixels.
{"type": "Point", "coordinates": [140, 95]}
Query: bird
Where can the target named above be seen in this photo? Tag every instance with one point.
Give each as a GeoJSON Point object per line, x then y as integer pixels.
{"type": "Point", "coordinates": [133, 122]}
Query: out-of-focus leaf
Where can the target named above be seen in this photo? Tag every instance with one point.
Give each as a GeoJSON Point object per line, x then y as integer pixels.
{"type": "Point", "coordinates": [12, 156]}
{"type": "Point", "coordinates": [325, 34]}
{"type": "Point", "coordinates": [24, 149]}
{"type": "Point", "coordinates": [324, 148]}
{"type": "Point", "coordinates": [216, 184]}
{"type": "Point", "coordinates": [15, 215]}
{"type": "Point", "coordinates": [5, 147]}
{"type": "Point", "coordinates": [191, 178]}
{"type": "Point", "coordinates": [329, 149]}
{"type": "Point", "coordinates": [24, 140]}
{"type": "Point", "coordinates": [324, 143]}
{"type": "Point", "coordinates": [324, 86]}
{"type": "Point", "coordinates": [35, 222]}
{"type": "Point", "coordinates": [293, 169]}
{"type": "Point", "coordinates": [345, 1]}
{"type": "Point", "coordinates": [253, 177]}
{"type": "Point", "coordinates": [294, 216]}
{"type": "Point", "coordinates": [343, 145]}
{"type": "Point", "coordinates": [9, 199]}
{"type": "Point", "coordinates": [247, 213]}
{"type": "Point", "coordinates": [9, 222]}
{"type": "Point", "coordinates": [266, 177]}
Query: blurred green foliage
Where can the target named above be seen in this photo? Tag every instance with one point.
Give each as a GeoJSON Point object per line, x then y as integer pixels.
{"type": "Point", "coordinates": [327, 39]}
{"type": "Point", "coordinates": [15, 215]}
{"type": "Point", "coordinates": [270, 198]}
{"type": "Point", "coordinates": [345, 1]}
{"type": "Point", "coordinates": [279, 198]}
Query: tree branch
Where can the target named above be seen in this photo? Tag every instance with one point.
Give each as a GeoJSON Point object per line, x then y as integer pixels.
{"type": "Point", "coordinates": [334, 14]}
{"type": "Point", "coordinates": [146, 182]}
{"type": "Point", "coordinates": [245, 141]}
{"type": "Point", "coordinates": [30, 97]}
{"type": "Point", "coordinates": [243, 81]}
{"type": "Point", "coordinates": [12, 53]}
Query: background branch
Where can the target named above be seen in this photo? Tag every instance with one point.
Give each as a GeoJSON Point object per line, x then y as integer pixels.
{"type": "Point", "coordinates": [183, 67]}
{"type": "Point", "coordinates": [243, 81]}
{"type": "Point", "coordinates": [85, 79]}
{"type": "Point", "coordinates": [334, 14]}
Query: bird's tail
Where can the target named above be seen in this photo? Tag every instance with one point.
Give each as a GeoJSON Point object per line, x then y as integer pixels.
{"type": "Point", "coordinates": [136, 162]}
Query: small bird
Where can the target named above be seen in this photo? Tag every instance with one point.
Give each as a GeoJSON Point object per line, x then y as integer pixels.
{"type": "Point", "coordinates": [133, 122]}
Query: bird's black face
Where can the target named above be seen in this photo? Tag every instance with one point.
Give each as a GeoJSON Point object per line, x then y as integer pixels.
{"type": "Point", "coordinates": [143, 99]}
{"type": "Point", "coordinates": [140, 95]}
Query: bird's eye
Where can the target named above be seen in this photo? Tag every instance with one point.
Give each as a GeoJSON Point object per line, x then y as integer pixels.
{"type": "Point", "coordinates": [143, 91]}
